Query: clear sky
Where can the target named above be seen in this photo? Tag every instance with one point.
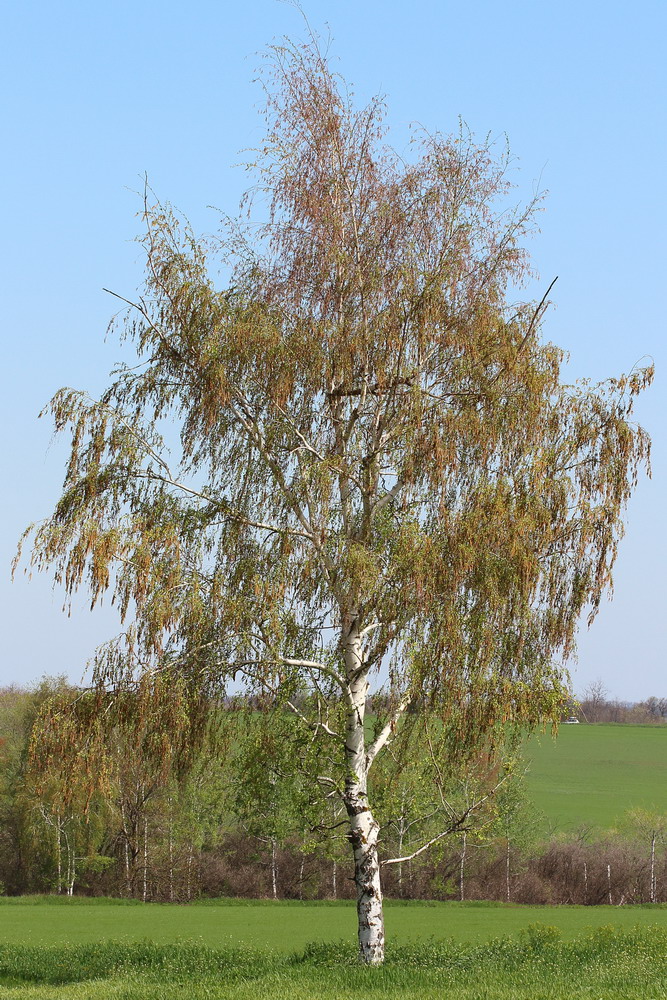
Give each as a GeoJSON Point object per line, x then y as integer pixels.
{"type": "Point", "coordinates": [96, 95]}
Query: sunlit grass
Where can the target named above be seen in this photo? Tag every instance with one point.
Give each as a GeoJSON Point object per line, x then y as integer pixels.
{"type": "Point", "coordinates": [537, 964]}
{"type": "Point", "coordinates": [288, 926]}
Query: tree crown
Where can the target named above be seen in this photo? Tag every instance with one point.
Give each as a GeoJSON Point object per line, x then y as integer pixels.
{"type": "Point", "coordinates": [369, 433]}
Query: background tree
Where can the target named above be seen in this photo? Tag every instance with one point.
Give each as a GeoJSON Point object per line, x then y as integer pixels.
{"type": "Point", "coordinates": [656, 707]}
{"type": "Point", "coordinates": [594, 702]}
{"type": "Point", "coordinates": [378, 471]}
{"type": "Point", "coordinates": [269, 802]}
{"type": "Point", "coordinates": [517, 825]}
{"type": "Point", "coordinates": [17, 713]}
{"type": "Point", "coordinates": [649, 828]}
{"type": "Point", "coordinates": [26, 855]}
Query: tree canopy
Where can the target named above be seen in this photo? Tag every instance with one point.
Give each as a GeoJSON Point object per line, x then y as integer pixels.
{"type": "Point", "coordinates": [355, 460]}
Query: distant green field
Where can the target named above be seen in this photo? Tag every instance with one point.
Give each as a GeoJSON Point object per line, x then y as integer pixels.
{"type": "Point", "coordinates": [592, 774]}
{"type": "Point", "coordinates": [288, 926]}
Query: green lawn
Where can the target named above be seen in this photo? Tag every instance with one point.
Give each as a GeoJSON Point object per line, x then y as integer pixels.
{"type": "Point", "coordinates": [591, 775]}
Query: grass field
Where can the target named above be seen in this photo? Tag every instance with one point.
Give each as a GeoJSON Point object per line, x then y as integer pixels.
{"type": "Point", "coordinates": [468, 957]}
{"type": "Point", "coordinates": [287, 925]}
{"type": "Point", "coordinates": [591, 775]}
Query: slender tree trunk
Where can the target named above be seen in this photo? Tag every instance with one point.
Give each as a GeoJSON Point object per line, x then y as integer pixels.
{"type": "Point", "coordinates": [126, 852]}
{"type": "Point", "coordinates": [145, 886]}
{"type": "Point", "coordinates": [401, 834]}
{"type": "Point", "coordinates": [364, 828]}
{"type": "Point", "coordinates": [302, 866]}
{"type": "Point", "coordinates": [652, 893]}
{"type": "Point", "coordinates": [508, 889]}
{"type": "Point", "coordinates": [59, 864]}
{"type": "Point", "coordinates": [462, 866]}
{"type": "Point", "coordinates": [71, 865]}
{"type": "Point", "coordinates": [171, 859]}
{"type": "Point", "coordinates": [274, 869]}
{"type": "Point", "coordinates": [188, 881]}
{"type": "Point", "coordinates": [128, 878]}
{"type": "Point", "coordinates": [585, 882]}
{"type": "Point", "coordinates": [609, 883]}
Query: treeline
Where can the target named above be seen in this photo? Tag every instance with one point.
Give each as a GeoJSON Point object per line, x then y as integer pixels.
{"type": "Point", "coordinates": [238, 821]}
{"type": "Point", "coordinates": [595, 706]}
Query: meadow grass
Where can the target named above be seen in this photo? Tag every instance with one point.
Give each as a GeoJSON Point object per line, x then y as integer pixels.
{"type": "Point", "coordinates": [607, 963]}
{"type": "Point", "coordinates": [80, 949]}
{"type": "Point", "coordinates": [592, 774]}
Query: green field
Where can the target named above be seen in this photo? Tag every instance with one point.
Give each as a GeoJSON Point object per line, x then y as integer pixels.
{"type": "Point", "coordinates": [290, 925]}
{"type": "Point", "coordinates": [591, 775]}
{"type": "Point", "coordinates": [80, 950]}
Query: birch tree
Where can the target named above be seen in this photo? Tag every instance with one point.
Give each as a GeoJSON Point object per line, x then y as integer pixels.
{"type": "Point", "coordinates": [649, 827]}
{"type": "Point", "coordinates": [376, 475]}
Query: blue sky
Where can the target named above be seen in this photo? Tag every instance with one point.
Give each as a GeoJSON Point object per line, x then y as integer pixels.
{"type": "Point", "coordinates": [97, 95]}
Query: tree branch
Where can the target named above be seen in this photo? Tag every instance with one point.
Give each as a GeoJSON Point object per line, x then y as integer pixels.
{"type": "Point", "coordinates": [386, 732]}
{"type": "Point", "coordinates": [454, 827]}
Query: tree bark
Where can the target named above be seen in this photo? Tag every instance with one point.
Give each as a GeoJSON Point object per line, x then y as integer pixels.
{"type": "Point", "coordinates": [364, 828]}
{"type": "Point", "coordinates": [364, 831]}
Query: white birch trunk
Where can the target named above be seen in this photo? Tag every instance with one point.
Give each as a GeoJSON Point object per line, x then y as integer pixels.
{"type": "Point", "coordinates": [171, 859]}
{"type": "Point", "coordinates": [188, 882]}
{"type": "Point", "coordinates": [652, 894]}
{"type": "Point", "coordinates": [71, 864]}
{"type": "Point", "coordinates": [462, 867]}
{"type": "Point", "coordinates": [401, 836]}
{"type": "Point", "coordinates": [274, 869]}
{"type": "Point", "coordinates": [364, 828]}
{"type": "Point", "coordinates": [145, 885]}
{"type": "Point", "coordinates": [59, 866]}
{"type": "Point", "coordinates": [508, 888]}
{"type": "Point", "coordinates": [126, 853]}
